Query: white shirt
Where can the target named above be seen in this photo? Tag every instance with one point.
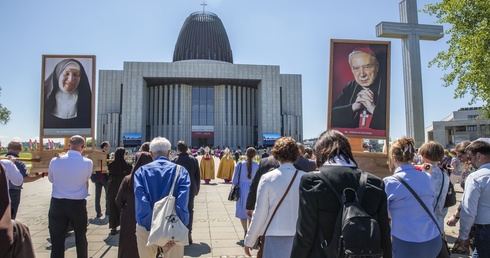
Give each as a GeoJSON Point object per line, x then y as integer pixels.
{"type": "Point", "coordinates": [272, 186]}
{"type": "Point", "coordinates": [475, 205]}
{"type": "Point", "coordinates": [13, 174]}
{"type": "Point", "coordinates": [69, 175]}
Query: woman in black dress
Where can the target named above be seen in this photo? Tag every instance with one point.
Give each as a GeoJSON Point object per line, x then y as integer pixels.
{"type": "Point", "coordinates": [118, 169]}
{"type": "Point", "coordinates": [125, 201]}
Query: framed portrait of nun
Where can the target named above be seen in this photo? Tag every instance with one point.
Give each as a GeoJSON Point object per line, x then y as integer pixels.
{"type": "Point", "coordinates": [67, 95]}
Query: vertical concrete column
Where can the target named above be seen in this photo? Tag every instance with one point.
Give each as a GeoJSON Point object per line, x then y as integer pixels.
{"type": "Point", "coordinates": [247, 124]}
{"type": "Point", "coordinates": [156, 111]}
{"type": "Point", "coordinates": [171, 134]}
{"type": "Point", "coordinates": [227, 141]}
{"type": "Point", "coordinates": [218, 115]}
{"type": "Point", "coordinates": [240, 116]}
{"type": "Point", "coordinates": [160, 110]}
{"type": "Point", "coordinates": [164, 110]}
{"type": "Point", "coordinates": [186, 113]}
{"type": "Point", "coordinates": [150, 111]}
{"type": "Point", "coordinates": [234, 136]}
{"type": "Point", "coordinates": [254, 113]}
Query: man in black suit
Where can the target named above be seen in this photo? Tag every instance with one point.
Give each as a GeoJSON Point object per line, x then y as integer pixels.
{"type": "Point", "coordinates": [192, 166]}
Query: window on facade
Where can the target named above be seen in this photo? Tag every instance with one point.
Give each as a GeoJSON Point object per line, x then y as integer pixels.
{"type": "Point", "coordinates": [472, 116]}
{"type": "Point", "coordinates": [471, 128]}
{"type": "Point", "coordinates": [195, 106]}
{"type": "Point", "coordinates": [482, 127]}
{"type": "Point", "coordinates": [202, 105]}
{"type": "Point", "coordinates": [210, 106]}
{"type": "Point", "coordinates": [460, 129]}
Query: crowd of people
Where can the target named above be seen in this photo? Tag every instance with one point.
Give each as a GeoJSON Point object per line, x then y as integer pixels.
{"type": "Point", "coordinates": [290, 197]}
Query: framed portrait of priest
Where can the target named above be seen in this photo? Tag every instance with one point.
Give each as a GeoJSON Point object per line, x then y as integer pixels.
{"type": "Point", "coordinates": [359, 90]}
{"type": "Point", "coordinates": [67, 95]}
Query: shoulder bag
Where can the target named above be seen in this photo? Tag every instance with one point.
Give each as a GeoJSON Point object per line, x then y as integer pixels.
{"type": "Point", "coordinates": [234, 194]}
{"type": "Point", "coordinates": [445, 252]}
{"type": "Point", "coordinates": [165, 224]}
{"type": "Point", "coordinates": [262, 237]}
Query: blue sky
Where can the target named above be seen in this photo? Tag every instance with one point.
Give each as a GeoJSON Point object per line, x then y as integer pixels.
{"type": "Point", "coordinates": [292, 34]}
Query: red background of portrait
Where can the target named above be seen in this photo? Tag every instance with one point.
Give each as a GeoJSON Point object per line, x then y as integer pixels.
{"type": "Point", "coordinates": [341, 74]}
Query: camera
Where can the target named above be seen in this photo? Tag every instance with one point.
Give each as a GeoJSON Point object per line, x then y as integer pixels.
{"type": "Point", "coordinates": [427, 167]}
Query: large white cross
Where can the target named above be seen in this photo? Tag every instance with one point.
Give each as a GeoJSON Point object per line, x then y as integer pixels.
{"type": "Point", "coordinates": [411, 32]}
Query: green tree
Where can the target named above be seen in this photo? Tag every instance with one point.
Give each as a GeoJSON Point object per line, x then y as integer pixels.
{"type": "Point", "coordinates": [89, 142]}
{"type": "Point", "coordinates": [468, 56]}
{"type": "Point", "coordinates": [4, 112]}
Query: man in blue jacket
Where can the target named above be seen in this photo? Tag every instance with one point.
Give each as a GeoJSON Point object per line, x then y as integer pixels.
{"type": "Point", "coordinates": [152, 182]}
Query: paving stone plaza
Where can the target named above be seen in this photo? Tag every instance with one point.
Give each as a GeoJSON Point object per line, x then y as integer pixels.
{"type": "Point", "coordinates": [216, 231]}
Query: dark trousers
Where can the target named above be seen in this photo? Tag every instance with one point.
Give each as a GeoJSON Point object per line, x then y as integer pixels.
{"type": "Point", "coordinates": [190, 207]}
{"type": "Point", "coordinates": [100, 181]}
{"type": "Point", "coordinates": [62, 212]}
{"type": "Point", "coordinates": [14, 201]}
{"type": "Point", "coordinates": [482, 242]}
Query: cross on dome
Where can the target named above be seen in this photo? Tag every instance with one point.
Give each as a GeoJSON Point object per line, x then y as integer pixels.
{"type": "Point", "coordinates": [203, 6]}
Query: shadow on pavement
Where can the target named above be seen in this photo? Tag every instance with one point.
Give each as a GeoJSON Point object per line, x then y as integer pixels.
{"type": "Point", "coordinates": [197, 249]}
{"type": "Point", "coordinates": [112, 240]}
{"type": "Point", "coordinates": [69, 242]}
{"type": "Point", "coordinates": [99, 221]}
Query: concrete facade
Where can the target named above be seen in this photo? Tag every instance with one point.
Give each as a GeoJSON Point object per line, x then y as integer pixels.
{"type": "Point", "coordinates": [155, 99]}
{"type": "Point", "coordinates": [461, 125]}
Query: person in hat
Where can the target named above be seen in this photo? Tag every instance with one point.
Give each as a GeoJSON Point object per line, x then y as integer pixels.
{"type": "Point", "coordinates": [207, 166]}
{"type": "Point", "coordinates": [362, 103]}
{"type": "Point", "coordinates": [226, 166]}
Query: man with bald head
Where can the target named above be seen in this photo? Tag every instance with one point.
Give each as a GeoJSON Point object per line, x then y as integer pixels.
{"type": "Point", "coordinates": [69, 175]}
{"type": "Point", "coordinates": [362, 103]}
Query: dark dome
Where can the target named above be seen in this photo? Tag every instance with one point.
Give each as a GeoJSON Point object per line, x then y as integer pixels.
{"type": "Point", "coordinates": [203, 36]}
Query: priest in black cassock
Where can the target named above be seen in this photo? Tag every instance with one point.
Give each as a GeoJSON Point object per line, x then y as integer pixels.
{"type": "Point", "coordinates": [362, 103]}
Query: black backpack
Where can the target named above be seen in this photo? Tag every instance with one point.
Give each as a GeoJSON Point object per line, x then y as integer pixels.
{"type": "Point", "coordinates": [356, 233]}
{"type": "Point", "coordinates": [450, 195]}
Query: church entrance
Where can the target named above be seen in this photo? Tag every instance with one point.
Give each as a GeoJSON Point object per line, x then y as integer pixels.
{"type": "Point", "coordinates": [202, 141]}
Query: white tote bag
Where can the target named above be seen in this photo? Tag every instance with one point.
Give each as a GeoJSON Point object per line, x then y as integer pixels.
{"type": "Point", "coordinates": [165, 224]}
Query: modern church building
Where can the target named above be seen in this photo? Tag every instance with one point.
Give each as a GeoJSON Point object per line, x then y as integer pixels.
{"type": "Point", "coordinates": [201, 97]}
